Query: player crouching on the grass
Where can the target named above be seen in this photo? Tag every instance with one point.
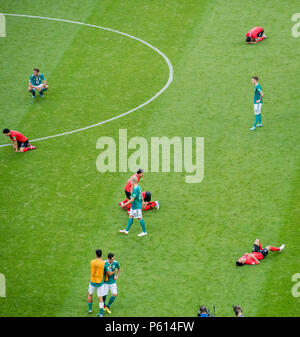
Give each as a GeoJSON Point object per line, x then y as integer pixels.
{"type": "Point", "coordinates": [20, 142]}
{"type": "Point", "coordinates": [146, 205]}
{"type": "Point", "coordinates": [258, 253]}
{"type": "Point", "coordinates": [38, 82]}
{"type": "Point", "coordinates": [255, 35]}
{"type": "Point", "coordinates": [136, 200]}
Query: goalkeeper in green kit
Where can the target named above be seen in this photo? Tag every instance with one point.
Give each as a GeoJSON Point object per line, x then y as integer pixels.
{"type": "Point", "coordinates": [136, 208]}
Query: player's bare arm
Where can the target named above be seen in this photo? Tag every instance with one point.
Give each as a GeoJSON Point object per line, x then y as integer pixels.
{"type": "Point", "coordinates": [128, 202]}
{"type": "Point", "coordinates": [15, 145]}
{"type": "Point", "coordinates": [261, 96]}
{"type": "Point", "coordinates": [110, 272]}
{"type": "Point", "coordinates": [254, 258]}
{"type": "Point", "coordinates": [117, 274]}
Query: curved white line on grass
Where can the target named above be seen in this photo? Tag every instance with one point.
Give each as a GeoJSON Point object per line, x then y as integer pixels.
{"type": "Point", "coordinates": [170, 79]}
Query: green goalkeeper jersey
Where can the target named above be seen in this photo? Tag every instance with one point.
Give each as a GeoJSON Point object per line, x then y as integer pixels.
{"type": "Point", "coordinates": [37, 80]}
{"type": "Point", "coordinates": [137, 195]}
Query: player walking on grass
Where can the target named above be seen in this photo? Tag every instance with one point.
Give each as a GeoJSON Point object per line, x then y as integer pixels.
{"type": "Point", "coordinates": [97, 282]}
{"type": "Point", "coordinates": [20, 142]}
{"type": "Point", "coordinates": [111, 265]}
{"type": "Point", "coordinates": [129, 186]}
{"type": "Point", "coordinates": [258, 100]}
{"type": "Point", "coordinates": [136, 208]}
{"type": "Point", "coordinates": [37, 81]}
{"type": "Point", "coordinates": [258, 253]}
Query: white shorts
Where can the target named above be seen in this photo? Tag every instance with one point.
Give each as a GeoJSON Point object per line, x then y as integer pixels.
{"type": "Point", "coordinates": [112, 288]}
{"type": "Point", "coordinates": [136, 213]}
{"type": "Point", "coordinates": [100, 290]}
{"type": "Point", "coordinates": [39, 86]}
{"type": "Point", "coordinates": [257, 108]}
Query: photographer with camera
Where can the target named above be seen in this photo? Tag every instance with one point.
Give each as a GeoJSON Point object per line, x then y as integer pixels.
{"type": "Point", "coordinates": [204, 312]}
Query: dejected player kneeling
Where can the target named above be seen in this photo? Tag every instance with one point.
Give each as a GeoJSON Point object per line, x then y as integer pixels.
{"type": "Point", "coordinates": [255, 35]}
{"type": "Point", "coordinates": [147, 204]}
{"type": "Point", "coordinates": [20, 142]}
{"type": "Point", "coordinates": [258, 253]}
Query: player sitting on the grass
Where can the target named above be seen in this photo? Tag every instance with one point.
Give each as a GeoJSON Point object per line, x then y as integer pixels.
{"type": "Point", "coordinates": [146, 205]}
{"type": "Point", "coordinates": [110, 280]}
{"type": "Point", "coordinates": [135, 209]}
{"type": "Point", "coordinates": [97, 282]}
{"type": "Point", "coordinates": [129, 186]}
{"type": "Point", "coordinates": [258, 253]}
{"type": "Point", "coordinates": [37, 82]}
{"type": "Point", "coordinates": [20, 142]}
{"type": "Point", "coordinates": [255, 35]}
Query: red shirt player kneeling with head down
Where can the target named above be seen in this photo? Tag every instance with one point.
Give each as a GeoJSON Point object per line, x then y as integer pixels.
{"type": "Point", "coordinates": [20, 142]}
{"type": "Point", "coordinates": [255, 35]}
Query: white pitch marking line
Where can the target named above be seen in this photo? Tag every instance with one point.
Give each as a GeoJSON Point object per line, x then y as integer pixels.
{"type": "Point", "coordinates": [170, 79]}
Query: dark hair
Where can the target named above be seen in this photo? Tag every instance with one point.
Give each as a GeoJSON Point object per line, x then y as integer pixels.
{"type": "Point", "coordinates": [255, 77]}
{"type": "Point", "coordinates": [238, 263]}
{"type": "Point", "coordinates": [248, 39]}
{"type": "Point", "coordinates": [203, 309]}
{"type": "Point", "coordinates": [36, 69]}
{"type": "Point", "coordinates": [140, 170]}
{"type": "Point", "coordinates": [98, 252]}
{"type": "Point", "coordinates": [6, 131]}
{"type": "Point", "coordinates": [237, 309]}
{"type": "Point", "coordinates": [147, 196]}
{"type": "Point", "coordinates": [110, 255]}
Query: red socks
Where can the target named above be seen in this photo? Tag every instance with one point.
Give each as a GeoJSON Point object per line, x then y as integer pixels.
{"type": "Point", "coordinates": [150, 205]}
{"type": "Point", "coordinates": [274, 249]}
{"type": "Point", "coordinates": [260, 247]}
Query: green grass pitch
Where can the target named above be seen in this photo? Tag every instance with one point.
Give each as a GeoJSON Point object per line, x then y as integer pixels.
{"type": "Point", "coordinates": [56, 208]}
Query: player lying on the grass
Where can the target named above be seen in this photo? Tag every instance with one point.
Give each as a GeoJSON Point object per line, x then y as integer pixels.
{"type": "Point", "coordinates": [97, 282]}
{"type": "Point", "coordinates": [37, 81]}
{"type": "Point", "coordinates": [111, 265]}
{"type": "Point", "coordinates": [20, 142]}
{"type": "Point", "coordinates": [258, 253]}
{"type": "Point", "coordinates": [257, 100]}
{"type": "Point", "coordinates": [129, 186]}
{"type": "Point", "coordinates": [146, 205]}
{"type": "Point", "coordinates": [255, 35]}
{"type": "Point", "coordinates": [136, 208]}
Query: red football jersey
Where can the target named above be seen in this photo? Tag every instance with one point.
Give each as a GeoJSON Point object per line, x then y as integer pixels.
{"type": "Point", "coordinates": [128, 185]}
{"type": "Point", "coordinates": [250, 260]}
{"type": "Point", "coordinates": [254, 32]}
{"type": "Point", "coordinates": [17, 136]}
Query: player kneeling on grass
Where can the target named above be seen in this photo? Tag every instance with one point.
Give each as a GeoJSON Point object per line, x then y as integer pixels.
{"type": "Point", "coordinates": [110, 282]}
{"type": "Point", "coordinates": [20, 142]}
{"type": "Point", "coordinates": [146, 205]}
{"type": "Point", "coordinates": [258, 253]}
{"type": "Point", "coordinates": [136, 200]}
{"type": "Point", "coordinates": [37, 82]}
{"type": "Point", "coordinates": [97, 282]}
{"type": "Point", "coordinates": [255, 35]}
